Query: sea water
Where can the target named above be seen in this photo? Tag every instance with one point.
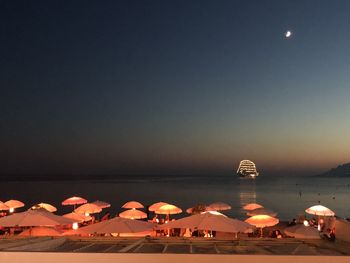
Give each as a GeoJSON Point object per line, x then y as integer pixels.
{"type": "Point", "coordinates": [288, 196]}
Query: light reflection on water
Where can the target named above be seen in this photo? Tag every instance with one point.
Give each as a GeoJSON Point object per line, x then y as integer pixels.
{"type": "Point", "coordinates": [247, 193]}
{"type": "Point", "coordinates": [286, 195]}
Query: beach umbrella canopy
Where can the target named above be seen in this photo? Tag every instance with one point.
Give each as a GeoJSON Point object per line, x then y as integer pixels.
{"type": "Point", "coordinates": [199, 208]}
{"type": "Point", "coordinates": [37, 217]}
{"type": "Point", "coordinates": [117, 225]}
{"type": "Point", "coordinates": [218, 206]}
{"type": "Point", "coordinates": [261, 211]}
{"type": "Point", "coordinates": [101, 204]}
{"type": "Point", "coordinates": [133, 214]}
{"type": "Point", "coordinates": [14, 204]}
{"type": "Point", "coordinates": [3, 206]}
{"type": "Point", "coordinates": [156, 206]}
{"type": "Point", "coordinates": [74, 200]}
{"type": "Point", "coordinates": [209, 221]}
{"type": "Point", "coordinates": [303, 232]}
{"type": "Point", "coordinates": [252, 206]}
{"type": "Point", "coordinates": [41, 231]}
{"type": "Point", "coordinates": [45, 206]}
{"type": "Point", "coordinates": [88, 208]}
{"type": "Point", "coordinates": [262, 221]}
{"type": "Point", "coordinates": [168, 210]}
{"type": "Point", "coordinates": [214, 213]}
{"type": "Point", "coordinates": [132, 204]}
{"type": "Point", "coordinates": [80, 218]}
{"type": "Point", "coordinates": [319, 210]}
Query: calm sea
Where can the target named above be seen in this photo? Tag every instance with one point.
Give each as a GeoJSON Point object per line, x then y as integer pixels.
{"type": "Point", "coordinates": [289, 196]}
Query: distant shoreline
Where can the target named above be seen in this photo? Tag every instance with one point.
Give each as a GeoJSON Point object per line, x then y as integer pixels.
{"type": "Point", "coordinates": [37, 178]}
{"type": "Point", "coordinates": [341, 171]}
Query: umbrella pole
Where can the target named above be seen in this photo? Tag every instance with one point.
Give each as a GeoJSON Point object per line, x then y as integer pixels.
{"type": "Point", "coordinates": [168, 219]}
{"type": "Point", "coordinates": [261, 232]}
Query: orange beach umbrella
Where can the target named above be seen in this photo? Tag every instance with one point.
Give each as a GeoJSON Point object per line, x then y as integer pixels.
{"type": "Point", "coordinates": [133, 214]}
{"type": "Point", "coordinates": [156, 206]}
{"type": "Point", "coordinates": [13, 204]}
{"type": "Point", "coordinates": [262, 221]}
{"type": "Point", "coordinates": [168, 210]}
{"type": "Point", "coordinates": [252, 206]}
{"type": "Point", "coordinates": [87, 209]}
{"type": "Point", "coordinates": [74, 200]}
{"type": "Point", "coordinates": [261, 211]}
{"type": "Point", "coordinates": [132, 205]}
{"type": "Point", "coordinates": [3, 206]}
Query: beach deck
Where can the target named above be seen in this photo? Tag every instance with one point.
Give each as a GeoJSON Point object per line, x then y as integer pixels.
{"type": "Point", "coordinates": [105, 249]}
{"type": "Point", "coordinates": [163, 245]}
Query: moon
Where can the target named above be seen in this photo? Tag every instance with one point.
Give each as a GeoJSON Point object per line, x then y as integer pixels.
{"type": "Point", "coordinates": [288, 34]}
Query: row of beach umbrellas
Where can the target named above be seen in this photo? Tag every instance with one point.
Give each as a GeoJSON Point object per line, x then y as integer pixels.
{"type": "Point", "coordinates": [160, 208]}
{"type": "Point", "coordinates": [41, 215]}
{"type": "Point", "coordinates": [82, 212]}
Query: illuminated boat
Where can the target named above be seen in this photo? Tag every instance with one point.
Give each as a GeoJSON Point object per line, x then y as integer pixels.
{"type": "Point", "coordinates": [247, 169]}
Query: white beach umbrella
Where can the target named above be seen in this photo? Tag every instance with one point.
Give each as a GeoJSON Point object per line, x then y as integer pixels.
{"type": "Point", "coordinates": [319, 210]}
{"type": "Point", "coordinates": [37, 217]}
{"type": "Point", "coordinates": [211, 222]}
{"type": "Point", "coordinates": [40, 231]}
{"type": "Point", "coordinates": [303, 232]}
{"type": "Point", "coordinates": [117, 225]}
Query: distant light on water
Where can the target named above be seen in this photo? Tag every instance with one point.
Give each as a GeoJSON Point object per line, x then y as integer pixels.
{"type": "Point", "coordinates": [288, 34]}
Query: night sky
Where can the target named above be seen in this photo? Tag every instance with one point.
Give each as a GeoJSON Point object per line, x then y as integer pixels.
{"type": "Point", "coordinates": [173, 87]}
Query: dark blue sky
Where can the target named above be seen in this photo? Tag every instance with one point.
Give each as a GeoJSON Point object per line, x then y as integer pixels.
{"type": "Point", "coordinates": [173, 86]}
